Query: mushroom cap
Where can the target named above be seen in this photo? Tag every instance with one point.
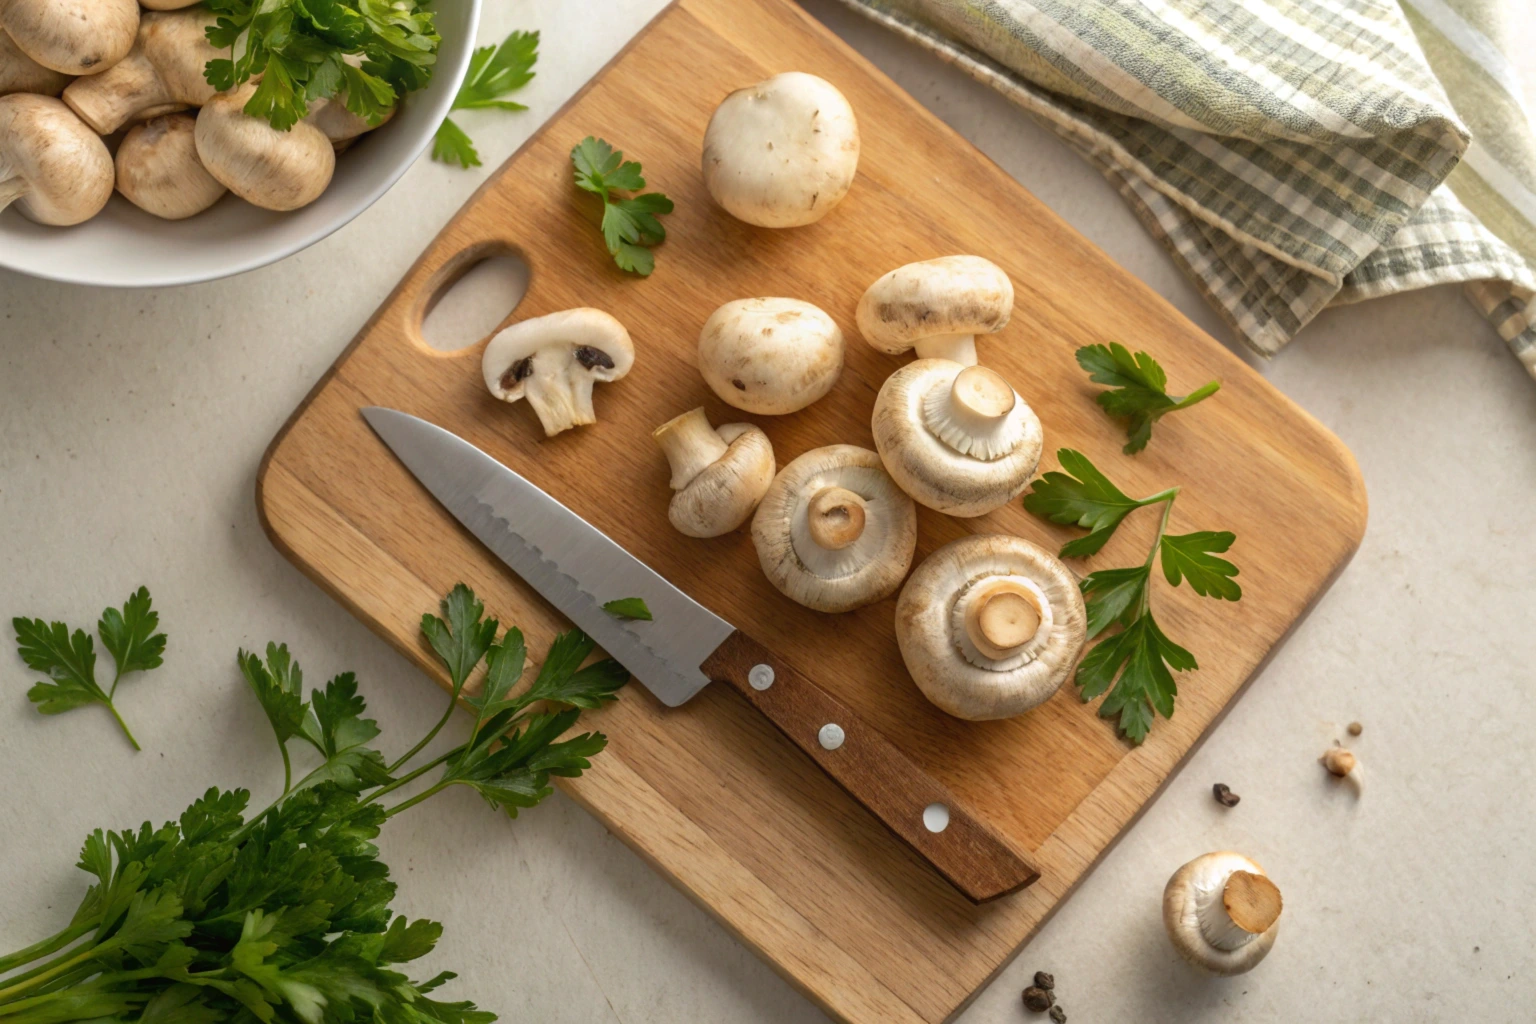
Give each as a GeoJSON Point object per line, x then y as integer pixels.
{"type": "Point", "coordinates": [861, 572]}
{"type": "Point", "coordinates": [1199, 890]}
{"type": "Point", "coordinates": [163, 73]}
{"type": "Point", "coordinates": [946, 663]}
{"type": "Point", "coordinates": [783, 152]}
{"type": "Point", "coordinates": [554, 360]}
{"type": "Point", "coordinates": [722, 495]}
{"type": "Point", "coordinates": [65, 166]}
{"type": "Point", "coordinates": [340, 125]}
{"type": "Point", "coordinates": [951, 295]}
{"type": "Point", "coordinates": [159, 172]}
{"type": "Point", "coordinates": [271, 169]}
{"type": "Point", "coordinates": [75, 37]}
{"type": "Point", "coordinates": [770, 356]}
{"type": "Point", "coordinates": [20, 73]}
{"type": "Point", "coordinates": [940, 447]}
{"type": "Point", "coordinates": [166, 5]}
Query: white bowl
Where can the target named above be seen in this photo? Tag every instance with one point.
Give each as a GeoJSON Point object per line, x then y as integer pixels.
{"type": "Point", "coordinates": [124, 247]}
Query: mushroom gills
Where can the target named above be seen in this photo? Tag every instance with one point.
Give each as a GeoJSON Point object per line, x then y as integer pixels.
{"type": "Point", "coordinates": [838, 530]}
{"type": "Point", "coordinates": [1001, 622]}
{"type": "Point", "coordinates": [561, 396]}
{"type": "Point", "coordinates": [977, 415]}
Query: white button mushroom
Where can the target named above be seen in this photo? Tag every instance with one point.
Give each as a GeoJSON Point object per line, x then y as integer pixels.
{"type": "Point", "coordinates": [990, 626]}
{"type": "Point", "coordinates": [936, 307]}
{"type": "Point", "coordinates": [834, 532]}
{"type": "Point", "coordinates": [339, 124]}
{"type": "Point", "coordinates": [161, 74]}
{"type": "Point", "coordinates": [783, 152]}
{"type": "Point", "coordinates": [52, 166]}
{"type": "Point", "coordinates": [159, 172]}
{"type": "Point", "coordinates": [75, 37]}
{"type": "Point", "coordinates": [20, 73]}
{"type": "Point", "coordinates": [166, 5]}
{"type": "Point", "coordinates": [770, 356]}
{"type": "Point", "coordinates": [719, 474]}
{"type": "Point", "coordinates": [554, 360]}
{"type": "Point", "coordinates": [956, 438]}
{"type": "Point", "coordinates": [1222, 912]}
{"type": "Point", "coordinates": [267, 168]}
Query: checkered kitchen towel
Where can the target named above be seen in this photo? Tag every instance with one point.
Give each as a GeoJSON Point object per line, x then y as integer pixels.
{"type": "Point", "coordinates": [1289, 153]}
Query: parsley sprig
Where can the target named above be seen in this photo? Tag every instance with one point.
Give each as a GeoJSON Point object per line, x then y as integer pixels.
{"type": "Point", "coordinates": [1136, 665]}
{"type": "Point", "coordinates": [1138, 390]}
{"type": "Point", "coordinates": [629, 224]}
{"type": "Point", "coordinates": [494, 72]}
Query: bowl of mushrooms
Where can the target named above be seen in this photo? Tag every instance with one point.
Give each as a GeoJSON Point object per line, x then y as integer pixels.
{"type": "Point", "coordinates": [122, 165]}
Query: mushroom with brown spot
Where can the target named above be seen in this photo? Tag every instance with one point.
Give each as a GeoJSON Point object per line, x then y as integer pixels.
{"type": "Point", "coordinates": [553, 361]}
{"type": "Point", "coordinates": [159, 172]}
{"type": "Point", "coordinates": [52, 166]}
{"type": "Point", "coordinates": [834, 532]}
{"type": "Point", "coordinates": [936, 308]}
{"type": "Point", "coordinates": [782, 153]}
{"type": "Point", "coordinates": [163, 73]}
{"type": "Point", "coordinates": [20, 73]}
{"type": "Point", "coordinates": [271, 169]}
{"type": "Point", "coordinates": [957, 438]}
{"type": "Point", "coordinates": [990, 626]}
{"type": "Point", "coordinates": [719, 474]}
{"type": "Point", "coordinates": [1222, 912]}
{"type": "Point", "coordinates": [770, 355]}
{"type": "Point", "coordinates": [73, 37]}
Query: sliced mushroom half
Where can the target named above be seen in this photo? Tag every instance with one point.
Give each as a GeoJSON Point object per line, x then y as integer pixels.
{"type": "Point", "coordinates": [937, 308]}
{"type": "Point", "coordinates": [990, 626]}
{"type": "Point", "coordinates": [957, 438]}
{"type": "Point", "coordinates": [1222, 912]}
{"type": "Point", "coordinates": [719, 474]}
{"type": "Point", "coordinates": [834, 532]}
{"type": "Point", "coordinates": [553, 361]}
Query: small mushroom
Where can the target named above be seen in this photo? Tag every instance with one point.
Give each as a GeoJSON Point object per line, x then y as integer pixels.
{"type": "Point", "coordinates": [52, 166]}
{"type": "Point", "coordinates": [20, 73]}
{"type": "Point", "coordinates": [783, 152]}
{"type": "Point", "coordinates": [163, 73]}
{"type": "Point", "coordinates": [990, 626]}
{"type": "Point", "coordinates": [340, 125]}
{"type": "Point", "coordinates": [554, 360]}
{"type": "Point", "coordinates": [267, 168]}
{"type": "Point", "coordinates": [1222, 912]}
{"type": "Point", "coordinates": [834, 532]}
{"type": "Point", "coordinates": [74, 37]}
{"type": "Point", "coordinates": [957, 438]}
{"type": "Point", "coordinates": [159, 172]}
{"type": "Point", "coordinates": [770, 356]}
{"type": "Point", "coordinates": [719, 474]}
{"type": "Point", "coordinates": [937, 307]}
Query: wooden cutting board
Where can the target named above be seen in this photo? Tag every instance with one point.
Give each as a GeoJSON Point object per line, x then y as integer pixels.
{"type": "Point", "coordinates": [710, 793]}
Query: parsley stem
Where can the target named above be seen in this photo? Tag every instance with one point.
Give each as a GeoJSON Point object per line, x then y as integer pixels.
{"type": "Point", "coordinates": [113, 708]}
{"type": "Point", "coordinates": [287, 769]}
{"type": "Point", "coordinates": [48, 945]}
{"type": "Point", "coordinates": [1198, 395]}
{"type": "Point", "coordinates": [1157, 543]}
{"type": "Point", "coordinates": [57, 966]}
{"type": "Point", "coordinates": [406, 779]}
{"type": "Point", "coordinates": [453, 702]}
{"type": "Point", "coordinates": [418, 798]}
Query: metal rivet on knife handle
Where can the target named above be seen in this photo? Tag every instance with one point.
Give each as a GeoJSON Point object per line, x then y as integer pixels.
{"type": "Point", "coordinates": [761, 677]}
{"type": "Point", "coordinates": [936, 817]}
{"type": "Point", "coordinates": [831, 736]}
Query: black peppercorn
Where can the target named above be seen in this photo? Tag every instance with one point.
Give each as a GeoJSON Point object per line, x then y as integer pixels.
{"type": "Point", "coordinates": [1058, 1015]}
{"type": "Point", "coordinates": [1038, 999]}
{"type": "Point", "coordinates": [1043, 980]}
{"type": "Point", "coordinates": [1225, 796]}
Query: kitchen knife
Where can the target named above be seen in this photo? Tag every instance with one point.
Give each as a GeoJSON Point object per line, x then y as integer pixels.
{"type": "Point", "coordinates": [577, 568]}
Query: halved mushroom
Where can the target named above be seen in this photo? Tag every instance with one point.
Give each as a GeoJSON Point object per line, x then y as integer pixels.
{"type": "Point", "coordinates": [990, 626]}
{"type": "Point", "coordinates": [163, 73]}
{"type": "Point", "coordinates": [52, 166]}
{"type": "Point", "coordinates": [719, 474]}
{"type": "Point", "coordinates": [75, 37]}
{"type": "Point", "coordinates": [770, 356]}
{"type": "Point", "coordinates": [267, 168]}
{"type": "Point", "coordinates": [834, 532]}
{"type": "Point", "coordinates": [159, 172]}
{"type": "Point", "coordinates": [20, 73]}
{"type": "Point", "coordinates": [937, 307]}
{"type": "Point", "coordinates": [1222, 912]}
{"type": "Point", "coordinates": [783, 152]}
{"type": "Point", "coordinates": [957, 438]}
{"type": "Point", "coordinates": [554, 360]}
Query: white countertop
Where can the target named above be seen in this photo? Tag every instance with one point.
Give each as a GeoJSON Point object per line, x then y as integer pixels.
{"type": "Point", "coordinates": [131, 424]}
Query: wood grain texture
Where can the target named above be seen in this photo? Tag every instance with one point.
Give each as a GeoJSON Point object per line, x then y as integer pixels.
{"type": "Point", "coordinates": [710, 793]}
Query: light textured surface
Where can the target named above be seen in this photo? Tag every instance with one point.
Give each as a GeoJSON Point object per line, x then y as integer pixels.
{"type": "Point", "coordinates": [130, 428]}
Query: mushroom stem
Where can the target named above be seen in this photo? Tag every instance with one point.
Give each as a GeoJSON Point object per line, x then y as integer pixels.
{"type": "Point", "coordinates": [691, 445]}
{"type": "Point", "coordinates": [12, 188]}
{"type": "Point", "coordinates": [1246, 905]}
{"type": "Point", "coordinates": [562, 399]}
{"type": "Point", "coordinates": [957, 348]}
{"type": "Point", "coordinates": [1004, 616]}
{"type": "Point", "coordinates": [835, 517]}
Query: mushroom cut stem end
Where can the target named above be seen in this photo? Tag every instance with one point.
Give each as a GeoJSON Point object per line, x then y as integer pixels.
{"type": "Point", "coordinates": [1252, 901]}
{"type": "Point", "coordinates": [957, 348]}
{"type": "Point", "coordinates": [835, 517]}
{"type": "Point", "coordinates": [1003, 619]}
{"type": "Point", "coordinates": [690, 444]}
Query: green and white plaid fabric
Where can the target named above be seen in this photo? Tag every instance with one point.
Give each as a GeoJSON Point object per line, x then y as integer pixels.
{"type": "Point", "coordinates": [1290, 153]}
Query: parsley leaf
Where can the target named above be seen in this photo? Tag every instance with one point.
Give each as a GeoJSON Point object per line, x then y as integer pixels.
{"type": "Point", "coordinates": [1137, 661]}
{"type": "Point", "coordinates": [1192, 555]}
{"type": "Point", "coordinates": [1084, 497]}
{"type": "Point", "coordinates": [1139, 389]}
{"type": "Point", "coordinates": [494, 71]}
{"type": "Point", "coordinates": [630, 225]}
{"type": "Point", "coordinates": [463, 639]}
{"type": "Point", "coordinates": [629, 608]}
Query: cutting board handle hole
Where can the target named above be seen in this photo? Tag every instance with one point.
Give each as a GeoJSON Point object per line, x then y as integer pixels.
{"type": "Point", "coordinates": [474, 294]}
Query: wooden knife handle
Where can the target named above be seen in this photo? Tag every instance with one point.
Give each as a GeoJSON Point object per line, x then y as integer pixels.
{"type": "Point", "coordinates": [910, 802]}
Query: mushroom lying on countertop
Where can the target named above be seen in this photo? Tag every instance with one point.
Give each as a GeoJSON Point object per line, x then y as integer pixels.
{"type": "Point", "coordinates": [74, 37]}
{"type": "Point", "coordinates": [937, 308]}
{"type": "Point", "coordinates": [834, 532]}
{"type": "Point", "coordinates": [554, 360]}
{"type": "Point", "coordinates": [957, 438]}
{"type": "Point", "coordinates": [159, 172]}
{"type": "Point", "coordinates": [719, 474]}
{"type": "Point", "coordinates": [770, 356]}
{"type": "Point", "coordinates": [990, 626]}
{"type": "Point", "coordinates": [52, 166]}
{"type": "Point", "coordinates": [1222, 912]}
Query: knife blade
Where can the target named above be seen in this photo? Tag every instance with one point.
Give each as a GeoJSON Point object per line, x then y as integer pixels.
{"type": "Point", "coordinates": [577, 568]}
